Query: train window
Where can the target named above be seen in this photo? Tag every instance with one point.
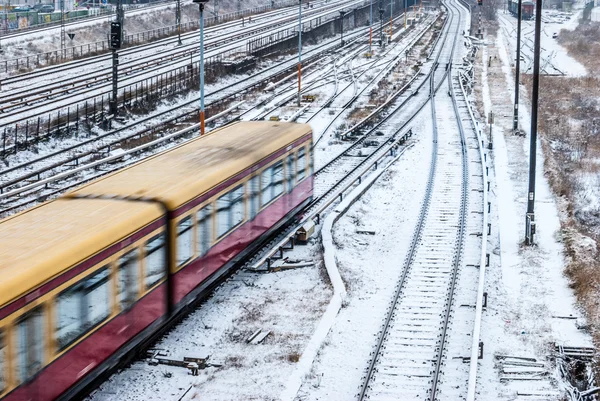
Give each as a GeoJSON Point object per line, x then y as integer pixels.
{"type": "Point", "coordinates": [204, 228]}
{"type": "Point", "coordinates": [3, 359]}
{"type": "Point", "coordinates": [184, 240]}
{"type": "Point", "coordinates": [277, 180]}
{"type": "Point", "coordinates": [82, 306]}
{"type": "Point", "coordinates": [254, 192]}
{"type": "Point", "coordinates": [128, 282]}
{"type": "Point", "coordinates": [29, 344]}
{"type": "Point", "coordinates": [230, 210]}
{"type": "Point", "coordinates": [155, 260]}
{"type": "Point", "coordinates": [290, 166]}
{"type": "Point", "coordinates": [237, 205]}
{"type": "Point", "coordinates": [301, 164]}
{"type": "Point", "coordinates": [311, 162]}
{"type": "Point", "coordinates": [265, 187]}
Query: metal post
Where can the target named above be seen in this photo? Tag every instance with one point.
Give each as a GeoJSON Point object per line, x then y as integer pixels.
{"type": "Point", "coordinates": [121, 16]}
{"type": "Point", "coordinates": [63, 44]}
{"type": "Point", "coordinates": [178, 20]}
{"type": "Point", "coordinates": [530, 216]}
{"type": "Point", "coordinates": [371, 29]}
{"type": "Point", "coordinates": [201, 68]}
{"type": "Point", "coordinates": [391, 17]}
{"type": "Point", "coordinates": [299, 49]}
{"type": "Point", "coordinates": [113, 101]}
{"type": "Point", "coordinates": [342, 13]}
{"type": "Point", "coordinates": [517, 72]}
{"type": "Point", "coordinates": [381, 11]}
{"type": "Point", "coordinates": [404, 14]}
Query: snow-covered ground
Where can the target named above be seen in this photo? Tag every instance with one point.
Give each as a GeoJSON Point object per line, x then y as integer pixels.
{"type": "Point", "coordinates": [93, 30]}
{"type": "Point", "coordinates": [530, 304]}
{"type": "Point", "coordinates": [554, 57]}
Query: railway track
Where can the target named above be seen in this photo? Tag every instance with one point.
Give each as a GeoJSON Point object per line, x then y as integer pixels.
{"type": "Point", "coordinates": [56, 25]}
{"type": "Point", "coordinates": [37, 179]}
{"type": "Point", "coordinates": [23, 104]}
{"type": "Point", "coordinates": [409, 358]}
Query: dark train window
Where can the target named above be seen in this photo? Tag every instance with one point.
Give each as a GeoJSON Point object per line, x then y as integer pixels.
{"type": "Point", "coordinates": [128, 283]}
{"type": "Point", "coordinates": [301, 164]}
{"type": "Point", "coordinates": [29, 344]}
{"type": "Point", "coordinates": [155, 260]}
{"type": "Point", "coordinates": [82, 306]}
{"type": "Point", "coordinates": [3, 364]}
{"type": "Point", "coordinates": [277, 170]}
{"type": "Point", "coordinates": [230, 210]}
{"type": "Point", "coordinates": [254, 193]}
{"type": "Point", "coordinates": [271, 183]}
{"type": "Point", "coordinates": [184, 240]}
{"type": "Point", "coordinates": [311, 162]}
{"type": "Point", "coordinates": [204, 227]}
{"type": "Point", "coordinates": [265, 187]}
{"type": "Point", "coordinates": [291, 172]}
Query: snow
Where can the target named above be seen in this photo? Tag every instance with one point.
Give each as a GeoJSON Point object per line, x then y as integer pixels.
{"type": "Point", "coordinates": [554, 57]}
{"type": "Point", "coordinates": [529, 295]}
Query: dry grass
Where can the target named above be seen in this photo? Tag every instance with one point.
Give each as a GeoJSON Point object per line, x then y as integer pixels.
{"type": "Point", "coordinates": [569, 126]}
{"type": "Point", "coordinates": [582, 43]}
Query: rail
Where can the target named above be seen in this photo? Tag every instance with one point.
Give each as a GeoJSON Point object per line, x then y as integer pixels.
{"type": "Point", "coordinates": [483, 257]}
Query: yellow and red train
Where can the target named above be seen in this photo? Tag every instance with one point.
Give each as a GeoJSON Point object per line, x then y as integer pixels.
{"type": "Point", "coordinates": [88, 277]}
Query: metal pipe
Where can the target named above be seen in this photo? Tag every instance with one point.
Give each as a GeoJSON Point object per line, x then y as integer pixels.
{"type": "Point", "coordinates": [530, 216]}
{"type": "Point", "coordinates": [517, 72]}
{"type": "Point", "coordinates": [201, 68]}
{"type": "Point", "coordinates": [299, 49]}
{"type": "Point", "coordinates": [371, 29]}
{"type": "Point", "coordinates": [178, 18]}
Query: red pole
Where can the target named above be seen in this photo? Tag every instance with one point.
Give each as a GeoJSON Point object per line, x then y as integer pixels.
{"type": "Point", "coordinates": [202, 122]}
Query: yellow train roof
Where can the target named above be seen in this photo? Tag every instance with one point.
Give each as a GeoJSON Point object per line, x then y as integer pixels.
{"type": "Point", "coordinates": [181, 174]}
{"type": "Point", "coordinates": [42, 242]}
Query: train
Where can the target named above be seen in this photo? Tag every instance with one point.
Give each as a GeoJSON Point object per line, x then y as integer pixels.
{"type": "Point", "coordinates": [527, 8]}
{"type": "Point", "coordinates": [91, 277]}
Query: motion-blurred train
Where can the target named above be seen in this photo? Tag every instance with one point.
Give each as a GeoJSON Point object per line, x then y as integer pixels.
{"type": "Point", "coordinates": [527, 8]}
{"type": "Point", "coordinates": [88, 278]}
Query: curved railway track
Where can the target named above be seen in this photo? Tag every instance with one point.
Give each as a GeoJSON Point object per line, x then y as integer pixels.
{"type": "Point", "coordinates": [409, 356]}
{"type": "Point", "coordinates": [37, 179]}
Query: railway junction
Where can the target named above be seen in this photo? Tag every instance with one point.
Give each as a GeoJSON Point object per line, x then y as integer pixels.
{"type": "Point", "coordinates": [333, 215]}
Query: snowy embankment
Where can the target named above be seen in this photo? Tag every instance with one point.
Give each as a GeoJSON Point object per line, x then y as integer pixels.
{"type": "Point", "coordinates": [530, 304]}
{"type": "Point", "coordinates": [319, 337]}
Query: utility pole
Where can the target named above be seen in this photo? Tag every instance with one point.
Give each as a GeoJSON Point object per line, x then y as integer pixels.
{"type": "Point", "coordinates": [530, 216]}
{"type": "Point", "coordinates": [342, 13]}
{"type": "Point", "coordinates": [371, 30]}
{"type": "Point", "coordinates": [121, 17]}
{"type": "Point", "coordinates": [178, 21]}
{"type": "Point", "coordinates": [63, 40]}
{"type": "Point", "coordinates": [391, 17]}
{"type": "Point", "coordinates": [381, 11]}
{"type": "Point", "coordinates": [299, 49]}
{"type": "Point", "coordinates": [517, 72]}
{"type": "Point", "coordinates": [202, 121]}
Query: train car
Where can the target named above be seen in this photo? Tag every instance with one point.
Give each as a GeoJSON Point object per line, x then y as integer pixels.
{"type": "Point", "coordinates": [527, 8]}
{"type": "Point", "coordinates": [90, 276]}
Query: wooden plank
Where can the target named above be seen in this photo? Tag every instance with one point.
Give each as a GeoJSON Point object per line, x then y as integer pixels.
{"type": "Point", "coordinates": [253, 335]}
{"type": "Point", "coordinates": [260, 337]}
